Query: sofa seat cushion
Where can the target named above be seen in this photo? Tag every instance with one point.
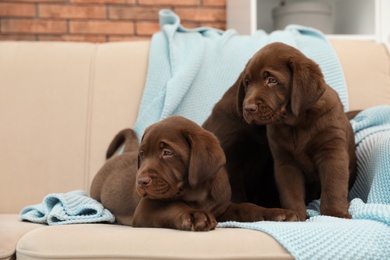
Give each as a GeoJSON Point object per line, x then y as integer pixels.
{"type": "Point", "coordinates": [11, 230]}
{"type": "Point", "coordinates": [106, 241]}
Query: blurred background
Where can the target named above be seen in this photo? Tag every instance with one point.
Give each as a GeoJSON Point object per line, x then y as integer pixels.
{"type": "Point", "coordinates": [100, 20]}
{"type": "Point", "coordinates": [128, 20]}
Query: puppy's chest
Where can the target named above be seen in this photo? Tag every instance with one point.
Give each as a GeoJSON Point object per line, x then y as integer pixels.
{"type": "Point", "coordinates": [196, 197]}
{"type": "Point", "coordinates": [295, 144]}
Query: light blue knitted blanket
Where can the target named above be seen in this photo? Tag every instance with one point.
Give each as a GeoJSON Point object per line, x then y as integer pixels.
{"type": "Point", "coordinates": [367, 235]}
{"type": "Point", "coordinates": [74, 207]}
{"type": "Point", "coordinates": [190, 70]}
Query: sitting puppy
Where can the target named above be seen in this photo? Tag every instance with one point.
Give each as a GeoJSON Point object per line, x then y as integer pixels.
{"type": "Point", "coordinates": [175, 179]}
{"type": "Point", "coordinates": [310, 137]}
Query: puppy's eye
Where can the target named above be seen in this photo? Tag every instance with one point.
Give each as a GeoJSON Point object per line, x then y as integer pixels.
{"type": "Point", "coordinates": [247, 82]}
{"type": "Point", "coordinates": [141, 154]}
{"type": "Point", "coordinates": [167, 153]}
{"type": "Point", "coordinates": [272, 81]}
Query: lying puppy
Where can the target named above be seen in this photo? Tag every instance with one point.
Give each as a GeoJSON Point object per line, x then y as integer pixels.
{"type": "Point", "coordinates": [180, 181]}
{"type": "Point", "coordinates": [310, 137]}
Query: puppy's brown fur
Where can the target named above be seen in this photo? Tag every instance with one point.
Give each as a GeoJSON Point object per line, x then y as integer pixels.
{"type": "Point", "coordinates": [180, 181]}
{"type": "Point", "coordinates": [249, 161]}
{"type": "Point", "coordinates": [310, 137]}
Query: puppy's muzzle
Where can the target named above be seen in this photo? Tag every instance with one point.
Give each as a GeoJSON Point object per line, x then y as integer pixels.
{"type": "Point", "coordinates": [144, 185]}
{"type": "Point", "coordinates": [250, 109]}
{"type": "Point", "coordinates": [144, 181]}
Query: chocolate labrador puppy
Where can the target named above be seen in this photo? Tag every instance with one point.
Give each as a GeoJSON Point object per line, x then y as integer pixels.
{"type": "Point", "coordinates": [175, 179]}
{"type": "Point", "coordinates": [310, 137]}
{"type": "Point", "coordinates": [249, 160]}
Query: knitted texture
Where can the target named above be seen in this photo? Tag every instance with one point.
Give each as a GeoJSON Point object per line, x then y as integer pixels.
{"type": "Point", "coordinates": [372, 138]}
{"type": "Point", "coordinates": [190, 70]}
{"type": "Point", "coordinates": [367, 235]}
{"type": "Point", "coordinates": [67, 208]}
{"type": "Point", "coordinates": [324, 237]}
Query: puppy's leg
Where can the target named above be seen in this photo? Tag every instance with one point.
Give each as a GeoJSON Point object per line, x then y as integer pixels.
{"type": "Point", "coordinates": [172, 214]}
{"type": "Point", "coordinates": [237, 184]}
{"type": "Point", "coordinates": [291, 186]}
{"type": "Point", "coordinates": [124, 219]}
{"type": "Point", "coordinates": [248, 212]}
{"type": "Point", "coordinates": [334, 176]}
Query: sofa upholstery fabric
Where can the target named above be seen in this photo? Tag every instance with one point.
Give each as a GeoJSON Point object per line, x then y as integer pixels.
{"type": "Point", "coordinates": [60, 106]}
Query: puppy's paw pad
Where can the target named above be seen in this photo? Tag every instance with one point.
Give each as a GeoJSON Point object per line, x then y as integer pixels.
{"type": "Point", "coordinates": [349, 216]}
{"type": "Point", "coordinates": [283, 215]}
{"type": "Point", "coordinates": [291, 215]}
{"type": "Point", "coordinates": [186, 223]}
{"type": "Point", "coordinates": [198, 220]}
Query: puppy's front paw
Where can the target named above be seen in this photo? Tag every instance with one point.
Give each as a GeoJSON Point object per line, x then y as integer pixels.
{"type": "Point", "coordinates": [276, 214]}
{"type": "Point", "coordinates": [348, 216]}
{"type": "Point", "coordinates": [198, 220]}
{"type": "Point", "coordinates": [337, 214]}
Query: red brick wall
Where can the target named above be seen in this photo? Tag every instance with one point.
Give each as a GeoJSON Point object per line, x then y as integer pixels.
{"type": "Point", "coordinates": [100, 20]}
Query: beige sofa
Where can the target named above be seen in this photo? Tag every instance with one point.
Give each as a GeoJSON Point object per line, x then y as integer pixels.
{"type": "Point", "coordinates": [60, 106]}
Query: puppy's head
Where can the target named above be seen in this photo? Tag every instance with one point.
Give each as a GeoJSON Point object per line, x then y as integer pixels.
{"type": "Point", "coordinates": [176, 154]}
{"type": "Point", "coordinates": [278, 81]}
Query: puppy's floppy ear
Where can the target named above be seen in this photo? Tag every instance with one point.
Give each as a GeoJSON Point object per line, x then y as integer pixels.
{"type": "Point", "coordinates": [307, 84]}
{"type": "Point", "coordinates": [142, 138]}
{"type": "Point", "coordinates": [240, 92]}
{"type": "Point", "coordinates": [206, 156]}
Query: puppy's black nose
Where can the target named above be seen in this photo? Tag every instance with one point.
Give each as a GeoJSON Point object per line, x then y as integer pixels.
{"type": "Point", "coordinates": [250, 108]}
{"type": "Point", "coordinates": [144, 181]}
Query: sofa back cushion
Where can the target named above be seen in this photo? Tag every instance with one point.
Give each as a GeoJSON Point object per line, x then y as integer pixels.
{"type": "Point", "coordinates": [366, 67]}
{"type": "Point", "coordinates": [60, 105]}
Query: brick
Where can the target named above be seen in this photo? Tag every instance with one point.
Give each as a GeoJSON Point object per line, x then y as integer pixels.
{"type": "Point", "coordinates": [27, 26]}
{"type": "Point", "coordinates": [217, 25]}
{"type": "Point", "coordinates": [201, 14]}
{"type": "Point", "coordinates": [11, 37]}
{"type": "Point", "coordinates": [126, 2]}
{"type": "Point", "coordinates": [127, 20]}
{"type": "Point", "coordinates": [37, 1]}
{"type": "Point", "coordinates": [193, 25]}
{"type": "Point", "coordinates": [17, 10]}
{"type": "Point", "coordinates": [190, 25]}
{"type": "Point", "coordinates": [75, 12]}
{"type": "Point", "coordinates": [72, 38]}
{"type": "Point", "coordinates": [221, 3]}
{"type": "Point", "coordinates": [144, 28]}
{"type": "Point", "coordinates": [101, 27]}
{"type": "Point", "coordinates": [128, 38]}
{"type": "Point", "coordinates": [126, 13]}
{"type": "Point", "coordinates": [170, 2]}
